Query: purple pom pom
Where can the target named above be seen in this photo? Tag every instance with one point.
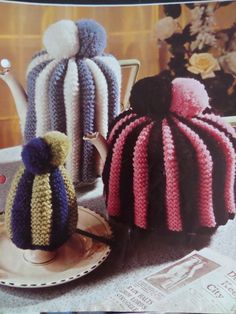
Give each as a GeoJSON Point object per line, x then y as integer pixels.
{"type": "Point", "coordinates": [92, 38]}
{"type": "Point", "coordinates": [36, 156]}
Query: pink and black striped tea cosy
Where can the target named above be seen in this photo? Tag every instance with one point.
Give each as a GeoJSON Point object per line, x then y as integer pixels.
{"type": "Point", "coordinates": [170, 162]}
{"type": "Point", "coordinates": [73, 87]}
{"type": "Point", "coordinates": [41, 208]}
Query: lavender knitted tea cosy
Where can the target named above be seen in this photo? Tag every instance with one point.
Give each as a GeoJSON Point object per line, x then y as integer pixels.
{"type": "Point", "coordinates": [74, 88]}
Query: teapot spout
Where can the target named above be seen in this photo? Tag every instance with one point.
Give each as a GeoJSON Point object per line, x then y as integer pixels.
{"type": "Point", "coordinates": [17, 91]}
{"type": "Point", "coordinates": [99, 142]}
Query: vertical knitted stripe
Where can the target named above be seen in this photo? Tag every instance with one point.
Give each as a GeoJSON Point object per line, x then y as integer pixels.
{"type": "Point", "coordinates": [118, 125]}
{"type": "Point", "coordinates": [218, 171]}
{"type": "Point", "coordinates": [39, 53]}
{"type": "Point", "coordinates": [172, 180]}
{"type": "Point", "coordinates": [101, 97]}
{"type": "Point", "coordinates": [157, 179]}
{"type": "Point", "coordinates": [20, 215]}
{"type": "Point", "coordinates": [31, 119]}
{"type": "Point", "coordinates": [117, 119]}
{"type": "Point", "coordinates": [220, 122]}
{"type": "Point", "coordinates": [60, 215]}
{"type": "Point", "coordinates": [41, 210]}
{"type": "Point", "coordinates": [10, 199]}
{"type": "Point", "coordinates": [229, 153]}
{"type": "Point", "coordinates": [114, 180]}
{"type": "Point", "coordinates": [228, 131]}
{"type": "Point", "coordinates": [37, 59]}
{"type": "Point", "coordinates": [111, 143]}
{"type": "Point", "coordinates": [56, 97]}
{"type": "Point", "coordinates": [127, 176]}
{"type": "Point", "coordinates": [205, 164]}
{"type": "Point", "coordinates": [113, 89]}
{"type": "Point", "coordinates": [222, 128]}
{"type": "Point", "coordinates": [43, 123]}
{"type": "Point", "coordinates": [113, 64]}
{"type": "Point", "coordinates": [71, 97]}
{"type": "Point", "coordinates": [101, 101]}
{"type": "Point", "coordinates": [72, 202]}
{"type": "Point", "coordinates": [188, 179]}
{"type": "Point", "coordinates": [87, 103]}
{"type": "Point", "coordinates": [141, 184]}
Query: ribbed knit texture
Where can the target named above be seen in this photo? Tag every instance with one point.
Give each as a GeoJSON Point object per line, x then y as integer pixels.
{"type": "Point", "coordinates": [41, 99]}
{"type": "Point", "coordinates": [228, 151]}
{"type": "Point", "coordinates": [87, 102]}
{"type": "Point", "coordinates": [60, 216]}
{"type": "Point", "coordinates": [169, 167]}
{"type": "Point", "coordinates": [72, 201]}
{"type": "Point", "coordinates": [73, 130]}
{"type": "Point", "coordinates": [20, 212]}
{"type": "Point", "coordinates": [114, 133]}
{"type": "Point", "coordinates": [188, 179]}
{"type": "Point", "coordinates": [114, 182]}
{"type": "Point", "coordinates": [206, 212]}
{"type": "Point", "coordinates": [157, 180]}
{"type": "Point", "coordinates": [141, 182]}
{"type": "Point", "coordinates": [41, 208]}
{"type": "Point", "coordinates": [56, 97]}
{"type": "Point", "coordinates": [10, 200]}
{"type": "Point", "coordinates": [218, 171]}
{"type": "Point", "coordinates": [113, 64]}
{"type": "Point", "coordinates": [205, 148]}
{"type": "Point", "coordinates": [220, 122]}
{"type": "Point", "coordinates": [38, 58]}
{"type": "Point", "coordinates": [127, 176]}
{"type": "Point", "coordinates": [31, 119]}
{"type": "Point", "coordinates": [227, 129]}
{"type": "Point", "coordinates": [174, 220]}
{"type": "Point", "coordinates": [41, 211]}
{"type": "Point", "coordinates": [101, 101]}
{"type": "Point", "coordinates": [113, 89]}
{"type": "Point", "coordinates": [128, 117]}
{"type": "Point", "coordinates": [74, 88]}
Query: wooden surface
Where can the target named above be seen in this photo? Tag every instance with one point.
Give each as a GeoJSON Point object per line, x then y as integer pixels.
{"type": "Point", "coordinates": [131, 34]}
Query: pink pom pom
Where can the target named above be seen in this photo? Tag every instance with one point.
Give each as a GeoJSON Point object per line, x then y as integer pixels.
{"type": "Point", "coordinates": [189, 97]}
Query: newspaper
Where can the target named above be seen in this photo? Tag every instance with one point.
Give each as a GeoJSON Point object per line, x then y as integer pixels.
{"type": "Point", "coordinates": [202, 281]}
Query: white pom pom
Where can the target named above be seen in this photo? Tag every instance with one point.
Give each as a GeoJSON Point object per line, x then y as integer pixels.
{"type": "Point", "coordinates": [61, 39]}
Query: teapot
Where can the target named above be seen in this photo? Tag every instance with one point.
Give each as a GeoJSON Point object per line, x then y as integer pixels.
{"type": "Point", "coordinates": [169, 162]}
{"type": "Point", "coordinates": [73, 86]}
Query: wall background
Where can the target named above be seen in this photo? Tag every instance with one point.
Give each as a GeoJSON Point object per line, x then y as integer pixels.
{"type": "Point", "coordinates": [130, 30]}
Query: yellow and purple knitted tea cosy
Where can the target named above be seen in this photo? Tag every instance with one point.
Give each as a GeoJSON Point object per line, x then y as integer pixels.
{"type": "Point", "coordinates": [41, 208]}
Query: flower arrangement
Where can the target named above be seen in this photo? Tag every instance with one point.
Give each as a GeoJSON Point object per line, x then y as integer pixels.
{"type": "Point", "coordinates": [202, 51]}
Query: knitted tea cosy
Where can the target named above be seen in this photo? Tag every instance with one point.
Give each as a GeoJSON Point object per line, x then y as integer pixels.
{"type": "Point", "coordinates": [41, 208]}
{"type": "Point", "coordinates": [169, 162]}
{"type": "Point", "coordinates": [74, 88]}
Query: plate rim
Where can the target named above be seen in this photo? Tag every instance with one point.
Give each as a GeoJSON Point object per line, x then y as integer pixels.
{"type": "Point", "coordinates": [86, 271]}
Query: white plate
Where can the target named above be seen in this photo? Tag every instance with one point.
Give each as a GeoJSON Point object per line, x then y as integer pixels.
{"type": "Point", "coordinates": [77, 257]}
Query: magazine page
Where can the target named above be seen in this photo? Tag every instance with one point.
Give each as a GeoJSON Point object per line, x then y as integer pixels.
{"type": "Point", "coordinates": [117, 156]}
{"type": "Point", "coordinates": [203, 281]}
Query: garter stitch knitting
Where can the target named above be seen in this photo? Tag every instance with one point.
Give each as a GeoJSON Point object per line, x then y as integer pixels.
{"type": "Point", "coordinates": [41, 208]}
{"type": "Point", "coordinates": [169, 164]}
{"type": "Point", "coordinates": [74, 88]}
